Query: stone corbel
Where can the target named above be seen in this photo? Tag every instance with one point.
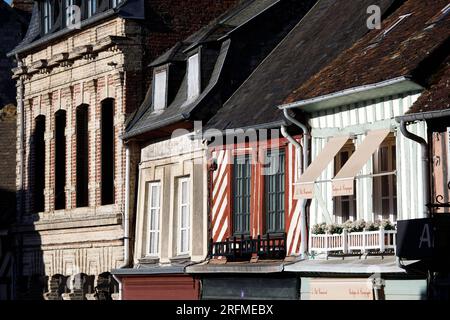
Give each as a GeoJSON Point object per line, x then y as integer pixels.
{"type": "Point", "coordinates": [84, 52]}
{"type": "Point", "coordinates": [19, 72]}
{"type": "Point", "coordinates": [61, 59]}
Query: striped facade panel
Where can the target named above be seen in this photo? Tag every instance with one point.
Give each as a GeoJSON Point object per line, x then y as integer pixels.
{"type": "Point", "coordinates": [221, 201]}
{"type": "Point", "coordinates": [358, 119]}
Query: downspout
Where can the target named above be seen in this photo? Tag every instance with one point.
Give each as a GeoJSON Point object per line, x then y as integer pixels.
{"type": "Point", "coordinates": [126, 223]}
{"type": "Point", "coordinates": [425, 164]}
{"type": "Point", "coordinates": [305, 151]}
{"type": "Point", "coordinates": [20, 106]}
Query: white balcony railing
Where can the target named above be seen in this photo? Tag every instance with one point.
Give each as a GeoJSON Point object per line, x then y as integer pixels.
{"type": "Point", "coordinates": [347, 242]}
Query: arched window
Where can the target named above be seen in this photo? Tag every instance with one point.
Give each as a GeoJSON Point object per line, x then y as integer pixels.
{"type": "Point", "coordinates": [107, 143]}
{"type": "Point", "coordinates": [82, 158]}
{"type": "Point", "coordinates": [60, 159]}
{"type": "Point", "coordinates": [39, 164]}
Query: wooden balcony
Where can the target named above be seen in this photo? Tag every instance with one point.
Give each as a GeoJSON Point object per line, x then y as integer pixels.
{"type": "Point", "coordinates": [269, 246]}
{"type": "Point", "coordinates": [381, 241]}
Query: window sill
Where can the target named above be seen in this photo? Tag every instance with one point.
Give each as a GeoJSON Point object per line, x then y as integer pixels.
{"type": "Point", "coordinates": [181, 258]}
{"type": "Point", "coordinates": [149, 260]}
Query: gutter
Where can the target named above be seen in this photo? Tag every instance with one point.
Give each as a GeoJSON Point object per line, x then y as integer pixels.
{"type": "Point", "coordinates": [423, 116]}
{"type": "Point", "coordinates": [334, 99]}
{"type": "Point", "coordinates": [305, 151]}
{"type": "Point", "coordinates": [20, 105]}
{"type": "Point", "coordinates": [231, 132]}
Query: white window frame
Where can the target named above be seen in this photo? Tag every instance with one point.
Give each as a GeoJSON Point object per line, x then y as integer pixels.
{"type": "Point", "coordinates": [349, 147]}
{"type": "Point", "coordinates": [378, 198]}
{"type": "Point", "coordinates": [153, 233]}
{"type": "Point", "coordinates": [194, 80]}
{"type": "Point", "coordinates": [184, 248]}
{"type": "Point", "coordinates": [160, 89]}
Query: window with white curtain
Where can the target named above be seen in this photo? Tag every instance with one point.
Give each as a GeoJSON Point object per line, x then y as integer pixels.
{"type": "Point", "coordinates": [154, 211]}
{"type": "Point", "coordinates": [193, 77]}
{"type": "Point", "coordinates": [184, 214]}
{"type": "Point", "coordinates": [160, 90]}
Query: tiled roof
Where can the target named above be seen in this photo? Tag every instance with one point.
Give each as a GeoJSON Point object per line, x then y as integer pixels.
{"type": "Point", "coordinates": [412, 48]}
{"type": "Point", "coordinates": [437, 97]}
{"type": "Point", "coordinates": [145, 119]}
{"type": "Point", "coordinates": [329, 28]}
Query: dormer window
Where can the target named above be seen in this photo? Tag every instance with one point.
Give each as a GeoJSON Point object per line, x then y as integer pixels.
{"type": "Point", "coordinates": [47, 16]}
{"type": "Point", "coordinates": [160, 89]}
{"type": "Point", "coordinates": [193, 77]}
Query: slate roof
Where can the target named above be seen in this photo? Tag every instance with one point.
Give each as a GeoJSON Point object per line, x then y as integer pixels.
{"type": "Point", "coordinates": [329, 28]}
{"type": "Point", "coordinates": [413, 48]}
{"type": "Point", "coordinates": [437, 97]}
{"type": "Point", "coordinates": [128, 9]}
{"type": "Point", "coordinates": [145, 119]}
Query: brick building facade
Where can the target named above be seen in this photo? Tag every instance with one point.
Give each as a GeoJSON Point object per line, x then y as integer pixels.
{"type": "Point", "coordinates": [76, 89]}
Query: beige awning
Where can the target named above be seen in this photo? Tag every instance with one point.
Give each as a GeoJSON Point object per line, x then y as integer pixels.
{"type": "Point", "coordinates": [305, 188]}
{"type": "Point", "coordinates": [343, 181]}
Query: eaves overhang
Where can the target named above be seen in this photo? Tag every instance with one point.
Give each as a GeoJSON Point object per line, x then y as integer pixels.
{"type": "Point", "coordinates": [378, 90]}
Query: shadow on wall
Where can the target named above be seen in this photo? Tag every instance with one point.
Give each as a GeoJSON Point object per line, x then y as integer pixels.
{"type": "Point", "coordinates": [32, 279]}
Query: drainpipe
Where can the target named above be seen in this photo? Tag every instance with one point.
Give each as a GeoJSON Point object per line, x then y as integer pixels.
{"type": "Point", "coordinates": [425, 164]}
{"type": "Point", "coordinates": [305, 151]}
{"type": "Point", "coordinates": [126, 223]}
{"type": "Point", "coordinates": [20, 106]}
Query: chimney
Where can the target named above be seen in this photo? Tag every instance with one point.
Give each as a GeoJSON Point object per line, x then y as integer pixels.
{"type": "Point", "coordinates": [23, 5]}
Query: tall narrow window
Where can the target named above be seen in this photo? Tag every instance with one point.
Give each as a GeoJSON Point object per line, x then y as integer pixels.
{"type": "Point", "coordinates": [69, 12]}
{"type": "Point", "coordinates": [47, 15]}
{"type": "Point", "coordinates": [60, 159]}
{"type": "Point", "coordinates": [160, 90]}
{"type": "Point", "coordinates": [241, 192]}
{"type": "Point", "coordinates": [82, 156]}
{"type": "Point", "coordinates": [91, 7]}
{"type": "Point", "coordinates": [184, 216]}
{"type": "Point", "coordinates": [274, 192]}
{"type": "Point", "coordinates": [154, 210]}
{"type": "Point", "coordinates": [39, 163]}
{"type": "Point", "coordinates": [344, 206]}
{"type": "Point", "coordinates": [385, 187]}
{"type": "Point", "coordinates": [193, 77]}
{"type": "Point", "coordinates": [107, 130]}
